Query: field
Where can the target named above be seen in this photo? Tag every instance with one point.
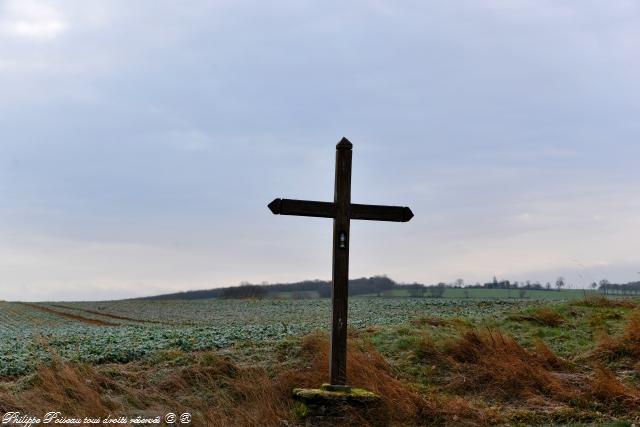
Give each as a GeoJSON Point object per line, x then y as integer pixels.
{"type": "Point", "coordinates": [535, 294]}
{"type": "Point", "coordinates": [443, 361]}
{"type": "Point", "coordinates": [122, 331]}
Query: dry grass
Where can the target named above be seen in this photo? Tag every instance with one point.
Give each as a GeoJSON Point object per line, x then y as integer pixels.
{"type": "Point", "coordinates": [427, 353]}
{"type": "Point", "coordinates": [626, 344]}
{"type": "Point", "coordinates": [549, 359]}
{"type": "Point", "coordinates": [598, 319]}
{"type": "Point", "coordinates": [606, 388]}
{"type": "Point", "coordinates": [218, 392]}
{"type": "Point", "coordinates": [65, 387]}
{"type": "Point", "coordinates": [402, 403]}
{"type": "Point", "coordinates": [493, 363]}
{"type": "Point", "coordinates": [543, 316]}
{"type": "Point", "coordinates": [531, 386]}
{"type": "Point", "coordinates": [595, 301]}
{"type": "Point", "coordinates": [430, 320]}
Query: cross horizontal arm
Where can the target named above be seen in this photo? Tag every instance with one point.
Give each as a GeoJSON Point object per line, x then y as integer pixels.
{"type": "Point", "coordinates": [303, 208]}
{"type": "Point", "coordinates": [381, 213]}
{"type": "Point", "coordinates": [328, 210]}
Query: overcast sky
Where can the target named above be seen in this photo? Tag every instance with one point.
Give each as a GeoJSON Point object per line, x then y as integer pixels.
{"type": "Point", "coordinates": [140, 142]}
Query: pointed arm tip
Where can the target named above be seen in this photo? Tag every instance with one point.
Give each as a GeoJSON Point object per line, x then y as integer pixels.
{"type": "Point", "coordinates": [275, 206]}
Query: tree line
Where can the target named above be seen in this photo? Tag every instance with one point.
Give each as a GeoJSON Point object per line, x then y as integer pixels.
{"type": "Point", "coordinates": [631, 288]}
{"type": "Point", "coordinates": [377, 285]}
{"type": "Point", "coordinates": [303, 289]}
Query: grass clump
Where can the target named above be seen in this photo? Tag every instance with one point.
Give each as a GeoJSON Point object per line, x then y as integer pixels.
{"type": "Point", "coordinates": [627, 344]}
{"type": "Point", "coordinates": [544, 316]}
{"type": "Point", "coordinates": [548, 357]}
{"type": "Point", "coordinates": [491, 362]}
{"type": "Point", "coordinates": [600, 301]}
{"type": "Point", "coordinates": [429, 321]}
{"type": "Point", "coordinates": [608, 389]}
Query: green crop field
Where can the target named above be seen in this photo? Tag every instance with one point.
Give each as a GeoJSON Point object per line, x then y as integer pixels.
{"type": "Point", "coordinates": [120, 331]}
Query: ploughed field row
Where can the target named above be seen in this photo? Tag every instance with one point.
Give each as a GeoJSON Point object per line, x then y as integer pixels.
{"type": "Point", "coordinates": [121, 331]}
{"type": "Point", "coordinates": [363, 311]}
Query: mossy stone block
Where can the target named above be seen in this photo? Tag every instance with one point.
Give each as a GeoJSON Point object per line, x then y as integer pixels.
{"type": "Point", "coordinates": [336, 395]}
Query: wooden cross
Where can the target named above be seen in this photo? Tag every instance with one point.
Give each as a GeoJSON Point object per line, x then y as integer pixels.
{"type": "Point", "coordinates": [342, 211]}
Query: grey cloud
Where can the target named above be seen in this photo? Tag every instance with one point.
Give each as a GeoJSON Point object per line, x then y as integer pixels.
{"type": "Point", "coordinates": [167, 128]}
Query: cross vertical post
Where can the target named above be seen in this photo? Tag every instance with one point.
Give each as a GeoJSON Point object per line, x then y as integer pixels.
{"type": "Point", "coordinates": [341, 241]}
{"type": "Point", "coordinates": [342, 211]}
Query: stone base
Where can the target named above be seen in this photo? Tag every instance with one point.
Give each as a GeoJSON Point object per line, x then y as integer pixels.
{"type": "Point", "coordinates": [332, 400]}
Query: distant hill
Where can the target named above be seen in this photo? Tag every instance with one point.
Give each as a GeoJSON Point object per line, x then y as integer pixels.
{"type": "Point", "coordinates": [317, 288]}
{"type": "Point", "coordinates": [382, 285]}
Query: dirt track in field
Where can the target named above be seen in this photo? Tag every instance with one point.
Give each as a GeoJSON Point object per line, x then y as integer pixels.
{"type": "Point", "coordinates": [71, 316]}
{"type": "Point", "coordinates": [100, 313]}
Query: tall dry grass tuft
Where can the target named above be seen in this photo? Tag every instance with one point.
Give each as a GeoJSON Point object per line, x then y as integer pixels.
{"type": "Point", "coordinates": [426, 352]}
{"type": "Point", "coordinates": [605, 387]}
{"type": "Point", "coordinates": [548, 357]}
{"type": "Point", "coordinates": [64, 387]}
{"type": "Point", "coordinates": [218, 392]}
{"type": "Point", "coordinates": [631, 333]}
{"type": "Point", "coordinates": [214, 390]}
{"type": "Point", "coordinates": [626, 344]}
{"type": "Point", "coordinates": [544, 316]}
{"type": "Point", "coordinates": [430, 320]}
{"type": "Point", "coordinates": [595, 301]}
{"type": "Point", "coordinates": [494, 364]}
{"type": "Point", "coordinates": [367, 368]}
